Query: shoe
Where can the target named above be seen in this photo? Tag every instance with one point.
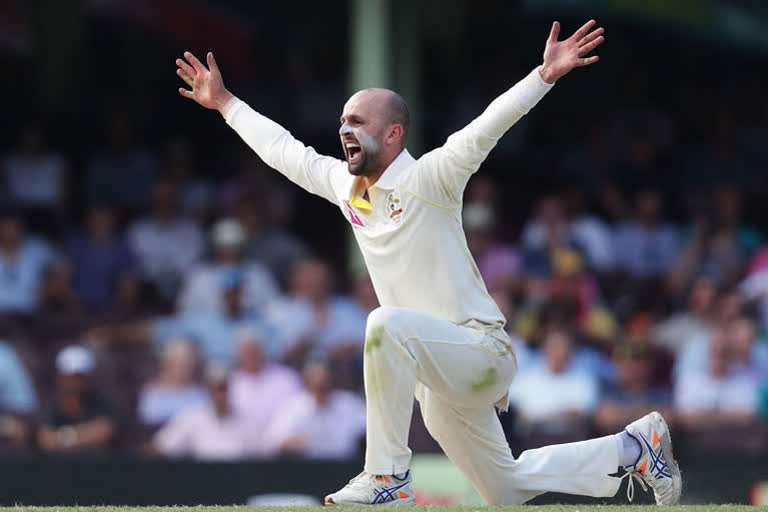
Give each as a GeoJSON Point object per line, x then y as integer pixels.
{"type": "Point", "coordinates": [368, 489]}
{"type": "Point", "coordinates": [655, 466]}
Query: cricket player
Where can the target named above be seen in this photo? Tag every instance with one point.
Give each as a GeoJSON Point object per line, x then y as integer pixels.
{"type": "Point", "coordinates": [438, 334]}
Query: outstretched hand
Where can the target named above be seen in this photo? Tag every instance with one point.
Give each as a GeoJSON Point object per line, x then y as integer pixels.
{"type": "Point", "coordinates": [560, 57]}
{"type": "Point", "coordinates": [206, 83]}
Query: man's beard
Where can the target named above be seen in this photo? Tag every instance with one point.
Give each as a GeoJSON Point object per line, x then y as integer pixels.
{"type": "Point", "coordinates": [366, 166]}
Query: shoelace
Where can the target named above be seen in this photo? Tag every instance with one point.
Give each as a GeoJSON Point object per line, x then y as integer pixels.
{"type": "Point", "coordinates": [633, 475]}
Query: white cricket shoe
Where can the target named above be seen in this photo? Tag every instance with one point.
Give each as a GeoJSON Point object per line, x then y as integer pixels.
{"type": "Point", "coordinates": [368, 489]}
{"type": "Point", "coordinates": [655, 466]}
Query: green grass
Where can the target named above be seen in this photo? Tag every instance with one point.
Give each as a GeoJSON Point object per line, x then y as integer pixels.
{"type": "Point", "coordinates": [518, 508]}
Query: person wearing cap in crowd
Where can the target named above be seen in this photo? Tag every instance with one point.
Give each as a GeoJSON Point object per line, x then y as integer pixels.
{"type": "Point", "coordinates": [210, 431]}
{"type": "Point", "coordinates": [198, 295]}
{"type": "Point", "coordinates": [81, 419]}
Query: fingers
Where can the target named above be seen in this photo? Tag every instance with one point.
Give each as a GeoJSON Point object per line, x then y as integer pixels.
{"type": "Point", "coordinates": [184, 76]}
{"type": "Point", "coordinates": [554, 32]}
{"type": "Point", "coordinates": [187, 94]}
{"type": "Point", "coordinates": [195, 63]}
{"type": "Point", "coordinates": [591, 36]}
{"type": "Point", "coordinates": [212, 62]}
{"type": "Point", "coordinates": [591, 46]}
{"type": "Point", "coordinates": [579, 34]}
{"type": "Point", "coordinates": [189, 70]}
{"type": "Point", "coordinates": [587, 61]}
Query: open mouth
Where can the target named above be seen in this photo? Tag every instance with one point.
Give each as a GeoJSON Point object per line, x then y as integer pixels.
{"type": "Point", "coordinates": [354, 153]}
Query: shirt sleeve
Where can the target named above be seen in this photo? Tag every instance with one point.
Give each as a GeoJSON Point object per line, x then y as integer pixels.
{"type": "Point", "coordinates": [317, 174]}
{"type": "Point", "coordinates": [16, 391]}
{"type": "Point", "coordinates": [450, 166]}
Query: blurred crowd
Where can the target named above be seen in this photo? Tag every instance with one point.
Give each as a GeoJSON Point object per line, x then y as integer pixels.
{"type": "Point", "coordinates": [149, 308]}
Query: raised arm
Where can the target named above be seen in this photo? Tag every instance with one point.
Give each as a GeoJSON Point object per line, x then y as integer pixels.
{"type": "Point", "coordinates": [321, 175]}
{"type": "Point", "coordinates": [452, 164]}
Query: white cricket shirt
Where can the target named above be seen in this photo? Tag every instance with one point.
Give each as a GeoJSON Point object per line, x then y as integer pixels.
{"type": "Point", "coordinates": [410, 231]}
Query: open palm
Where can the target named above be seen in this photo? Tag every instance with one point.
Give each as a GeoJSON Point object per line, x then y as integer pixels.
{"type": "Point", "coordinates": [560, 57]}
{"type": "Point", "coordinates": [206, 83]}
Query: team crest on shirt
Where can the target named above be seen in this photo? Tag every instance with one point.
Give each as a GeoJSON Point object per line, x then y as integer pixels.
{"type": "Point", "coordinates": [394, 208]}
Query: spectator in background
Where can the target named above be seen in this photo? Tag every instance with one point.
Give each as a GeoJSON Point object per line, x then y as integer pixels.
{"type": "Point", "coordinates": [588, 232]}
{"type": "Point", "coordinates": [23, 262]}
{"type": "Point", "coordinates": [677, 331]}
{"type": "Point", "coordinates": [18, 401]}
{"type": "Point", "coordinates": [499, 264]}
{"type": "Point", "coordinates": [81, 419]}
{"type": "Point", "coordinates": [278, 249]}
{"type": "Point", "coordinates": [201, 283]}
{"type": "Point", "coordinates": [554, 396]}
{"type": "Point", "coordinates": [102, 262]}
{"type": "Point", "coordinates": [259, 388]}
{"type": "Point", "coordinates": [719, 244]}
{"type": "Point", "coordinates": [560, 224]}
{"type": "Point", "coordinates": [122, 172]}
{"type": "Point", "coordinates": [166, 244]}
{"type": "Point", "coordinates": [548, 229]}
{"type": "Point", "coordinates": [195, 192]}
{"type": "Point", "coordinates": [215, 332]}
{"type": "Point", "coordinates": [36, 177]}
{"type": "Point", "coordinates": [754, 288]}
{"type": "Point", "coordinates": [176, 387]}
{"type": "Point", "coordinates": [636, 393]}
{"type": "Point", "coordinates": [312, 320]}
{"type": "Point", "coordinates": [209, 431]}
{"type": "Point", "coordinates": [308, 425]}
{"type": "Point", "coordinates": [17, 395]}
{"type": "Point", "coordinates": [695, 356]}
{"type": "Point", "coordinates": [646, 247]}
{"type": "Point", "coordinates": [725, 391]}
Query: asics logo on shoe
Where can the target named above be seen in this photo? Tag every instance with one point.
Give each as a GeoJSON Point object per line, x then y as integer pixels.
{"type": "Point", "coordinates": [659, 467]}
{"type": "Point", "coordinates": [388, 494]}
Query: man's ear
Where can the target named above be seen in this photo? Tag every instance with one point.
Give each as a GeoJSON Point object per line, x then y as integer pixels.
{"type": "Point", "coordinates": [395, 134]}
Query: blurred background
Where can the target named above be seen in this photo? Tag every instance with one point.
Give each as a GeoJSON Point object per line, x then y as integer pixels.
{"type": "Point", "coordinates": [180, 324]}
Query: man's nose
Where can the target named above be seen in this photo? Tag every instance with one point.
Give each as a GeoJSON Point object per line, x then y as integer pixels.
{"type": "Point", "coordinates": [345, 129]}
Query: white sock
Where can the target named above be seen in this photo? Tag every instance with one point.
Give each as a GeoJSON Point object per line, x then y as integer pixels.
{"type": "Point", "coordinates": [401, 475]}
{"type": "Point", "coordinates": [629, 449]}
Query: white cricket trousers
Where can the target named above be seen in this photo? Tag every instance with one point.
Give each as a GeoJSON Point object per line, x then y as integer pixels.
{"type": "Point", "coordinates": [458, 374]}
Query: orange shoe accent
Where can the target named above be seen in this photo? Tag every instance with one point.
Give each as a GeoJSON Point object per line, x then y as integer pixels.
{"type": "Point", "coordinates": [385, 478]}
{"type": "Point", "coordinates": [402, 494]}
{"type": "Point", "coordinates": [655, 439]}
{"type": "Point", "coordinates": [641, 469]}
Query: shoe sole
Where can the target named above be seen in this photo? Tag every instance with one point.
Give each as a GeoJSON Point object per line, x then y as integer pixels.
{"type": "Point", "coordinates": [400, 502]}
{"type": "Point", "coordinates": [674, 469]}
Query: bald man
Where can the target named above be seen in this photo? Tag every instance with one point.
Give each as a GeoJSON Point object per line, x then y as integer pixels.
{"type": "Point", "coordinates": [438, 334]}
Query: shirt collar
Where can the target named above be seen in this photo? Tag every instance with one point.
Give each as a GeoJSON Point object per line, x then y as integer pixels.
{"type": "Point", "coordinates": [386, 181]}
